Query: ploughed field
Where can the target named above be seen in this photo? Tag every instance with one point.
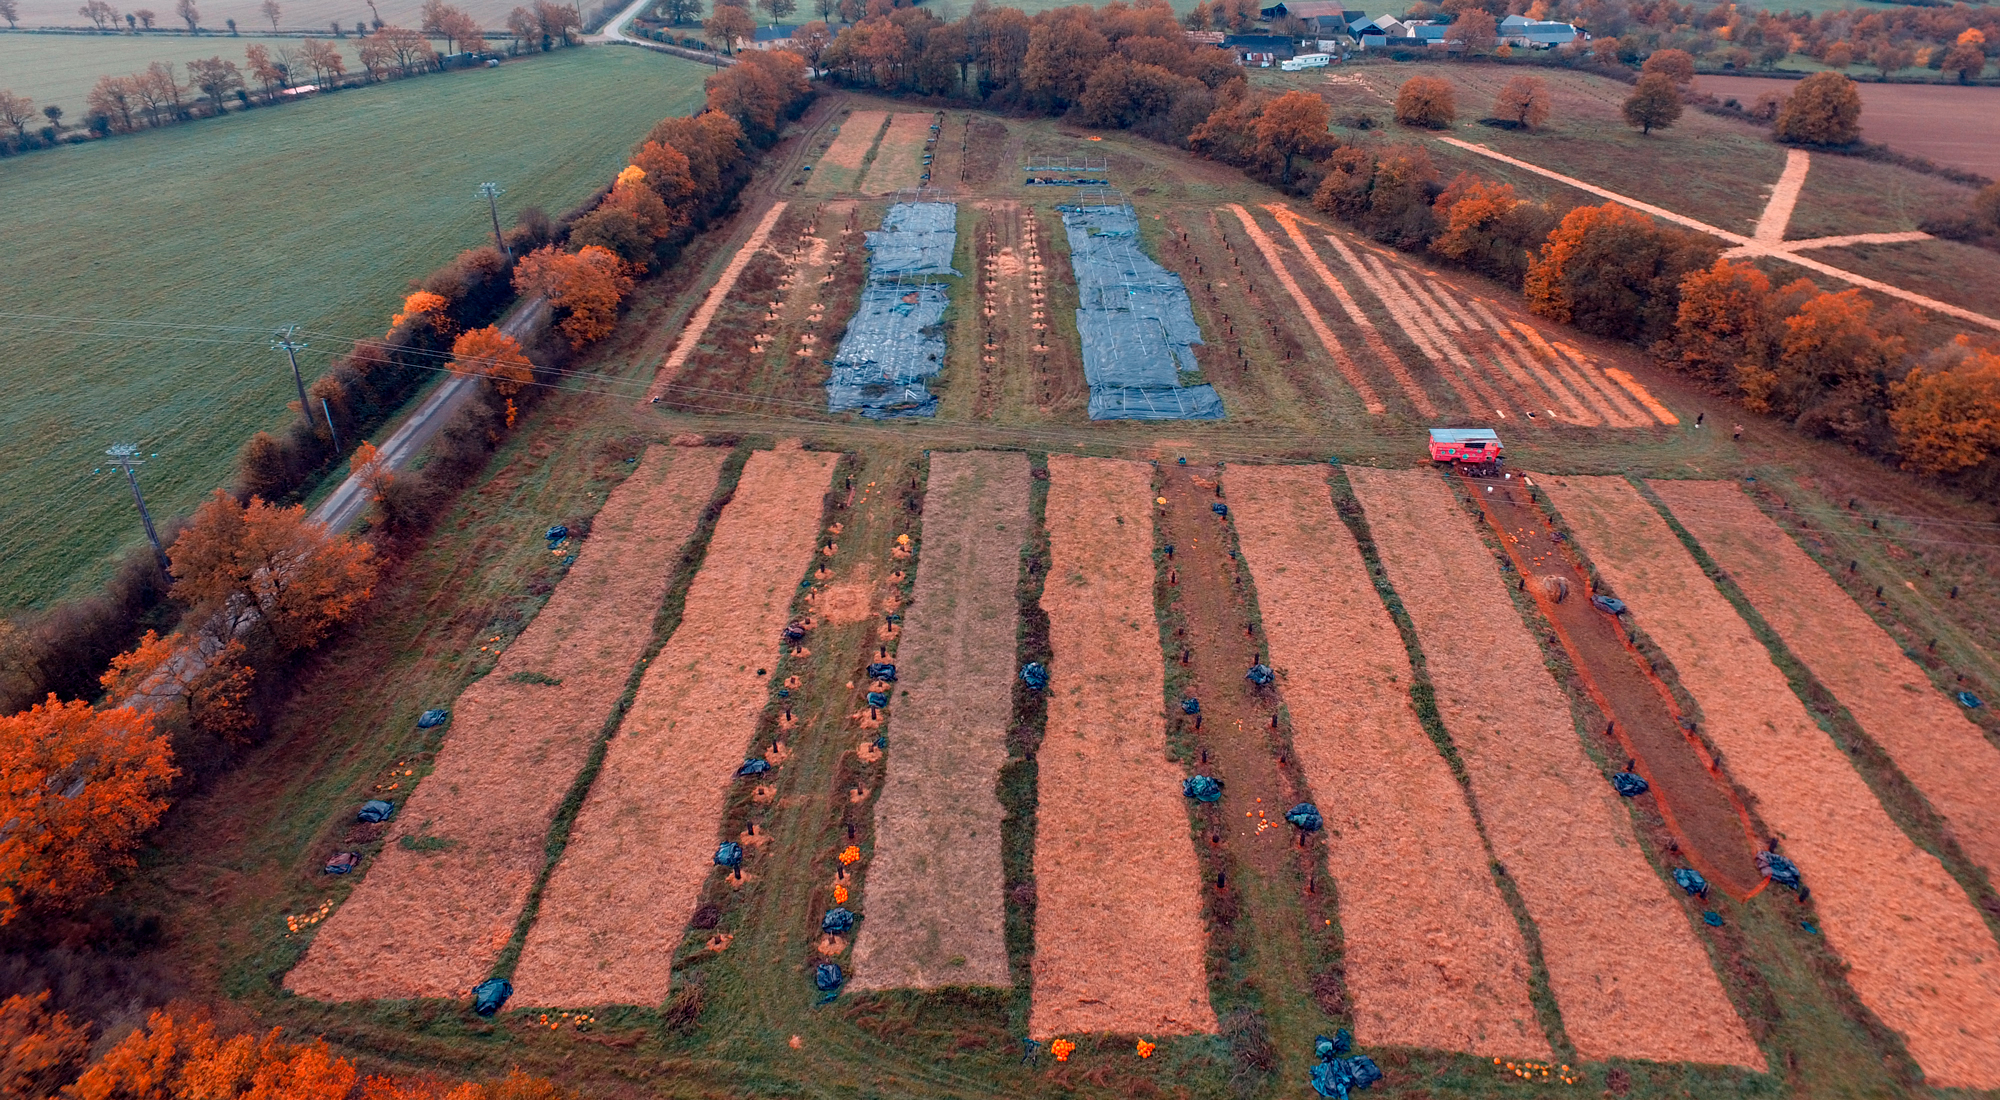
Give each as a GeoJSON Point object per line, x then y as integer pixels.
{"type": "Point", "coordinates": [840, 786]}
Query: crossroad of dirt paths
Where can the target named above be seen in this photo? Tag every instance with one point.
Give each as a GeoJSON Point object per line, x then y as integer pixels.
{"type": "Point", "coordinates": [432, 916]}
{"type": "Point", "coordinates": [1630, 977]}
{"type": "Point", "coordinates": [935, 911]}
{"type": "Point", "coordinates": [1927, 735]}
{"type": "Point", "coordinates": [615, 907]}
{"type": "Point", "coordinates": [1433, 958]}
{"type": "Point", "coordinates": [1917, 953]}
{"type": "Point", "coordinates": [1119, 941]}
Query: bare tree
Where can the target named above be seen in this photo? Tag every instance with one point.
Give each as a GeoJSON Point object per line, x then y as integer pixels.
{"type": "Point", "coordinates": [271, 12]}
{"type": "Point", "coordinates": [98, 12]}
{"type": "Point", "coordinates": [15, 111]}
{"type": "Point", "coordinates": [146, 17]}
{"type": "Point", "coordinates": [11, 12]}
{"type": "Point", "coordinates": [215, 78]}
{"type": "Point", "coordinates": [186, 10]}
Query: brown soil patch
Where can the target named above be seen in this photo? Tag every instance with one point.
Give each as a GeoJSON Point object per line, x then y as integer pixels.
{"type": "Point", "coordinates": [430, 921]}
{"type": "Point", "coordinates": [846, 602]}
{"type": "Point", "coordinates": [1917, 953]}
{"type": "Point", "coordinates": [1016, 321]}
{"type": "Point", "coordinates": [1923, 731]}
{"type": "Point", "coordinates": [1433, 958]}
{"type": "Point", "coordinates": [935, 911]}
{"type": "Point", "coordinates": [899, 162]}
{"type": "Point", "coordinates": [616, 906]}
{"type": "Point", "coordinates": [1119, 943]}
{"type": "Point", "coordinates": [1604, 915]}
{"type": "Point", "coordinates": [839, 168]}
{"type": "Point", "coordinates": [1693, 795]}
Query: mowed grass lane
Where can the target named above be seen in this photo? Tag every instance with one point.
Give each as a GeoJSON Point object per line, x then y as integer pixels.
{"type": "Point", "coordinates": [201, 239]}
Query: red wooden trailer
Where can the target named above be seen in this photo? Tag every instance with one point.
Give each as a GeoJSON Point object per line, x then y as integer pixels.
{"type": "Point", "coordinates": [1474, 450]}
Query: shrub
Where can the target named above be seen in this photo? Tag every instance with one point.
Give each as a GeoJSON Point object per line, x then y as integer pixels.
{"type": "Point", "coordinates": [1426, 101]}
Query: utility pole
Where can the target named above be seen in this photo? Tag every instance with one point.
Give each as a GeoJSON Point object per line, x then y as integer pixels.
{"type": "Point", "coordinates": [492, 193]}
{"type": "Point", "coordinates": [125, 456]}
{"type": "Point", "coordinates": [284, 342]}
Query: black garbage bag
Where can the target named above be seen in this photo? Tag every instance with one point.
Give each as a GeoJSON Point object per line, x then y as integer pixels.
{"type": "Point", "coordinates": [754, 767]}
{"type": "Point", "coordinates": [375, 810]}
{"type": "Point", "coordinates": [1305, 816]}
{"type": "Point", "coordinates": [433, 718]}
{"type": "Point", "coordinates": [794, 632]}
{"type": "Point", "coordinates": [1202, 788]}
{"type": "Point", "coordinates": [878, 699]}
{"type": "Point", "coordinates": [1629, 785]}
{"type": "Point", "coordinates": [1219, 509]}
{"type": "Point", "coordinates": [1328, 1049]}
{"type": "Point", "coordinates": [557, 533]}
{"type": "Point", "coordinates": [827, 977]}
{"type": "Point", "coordinates": [1034, 675]}
{"type": "Point", "coordinates": [1342, 1076]}
{"type": "Point", "coordinates": [1970, 701]}
{"type": "Point", "coordinates": [1778, 869]}
{"type": "Point", "coordinates": [837, 922]}
{"type": "Point", "coordinates": [1690, 880]}
{"type": "Point", "coordinates": [882, 671]}
{"type": "Point", "coordinates": [1260, 674]}
{"type": "Point", "coordinates": [489, 995]}
{"type": "Point", "coordinates": [729, 854]}
{"type": "Point", "coordinates": [1190, 705]}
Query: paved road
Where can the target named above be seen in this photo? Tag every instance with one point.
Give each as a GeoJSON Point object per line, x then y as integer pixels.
{"type": "Point", "coordinates": [614, 34]}
{"type": "Point", "coordinates": [345, 505]}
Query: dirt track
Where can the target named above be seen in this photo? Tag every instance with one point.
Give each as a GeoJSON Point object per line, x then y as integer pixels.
{"type": "Point", "coordinates": [1119, 944]}
{"type": "Point", "coordinates": [933, 896]}
{"type": "Point", "coordinates": [1918, 954]}
{"type": "Point", "coordinates": [1625, 967]}
{"type": "Point", "coordinates": [1433, 957]}
{"type": "Point", "coordinates": [617, 904]}
{"type": "Point", "coordinates": [429, 920]}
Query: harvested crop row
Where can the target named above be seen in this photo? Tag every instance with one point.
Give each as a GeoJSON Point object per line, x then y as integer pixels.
{"type": "Point", "coordinates": [1433, 957]}
{"type": "Point", "coordinates": [1310, 312]}
{"type": "Point", "coordinates": [440, 904]}
{"type": "Point", "coordinates": [839, 168]}
{"type": "Point", "coordinates": [934, 904]}
{"type": "Point", "coordinates": [1926, 735]}
{"type": "Point", "coordinates": [697, 325]}
{"type": "Point", "coordinates": [899, 163]}
{"type": "Point", "coordinates": [616, 905]}
{"type": "Point", "coordinates": [1917, 952]}
{"type": "Point", "coordinates": [1625, 967]}
{"type": "Point", "coordinates": [1119, 944]}
{"type": "Point", "coordinates": [1390, 361]}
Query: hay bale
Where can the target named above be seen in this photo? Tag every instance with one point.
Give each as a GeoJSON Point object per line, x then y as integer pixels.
{"type": "Point", "coordinates": [1555, 587]}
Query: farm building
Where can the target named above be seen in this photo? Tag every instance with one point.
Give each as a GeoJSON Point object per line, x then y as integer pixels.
{"type": "Point", "coordinates": [1321, 17]}
{"type": "Point", "coordinates": [777, 37]}
{"type": "Point", "coordinates": [1259, 49]}
{"type": "Point", "coordinates": [1518, 30]}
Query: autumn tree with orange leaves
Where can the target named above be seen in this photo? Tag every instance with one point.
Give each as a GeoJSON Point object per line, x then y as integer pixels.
{"type": "Point", "coordinates": [1947, 416]}
{"type": "Point", "coordinates": [587, 286]}
{"type": "Point", "coordinates": [1613, 271]}
{"type": "Point", "coordinates": [295, 577]}
{"type": "Point", "coordinates": [184, 1057]}
{"type": "Point", "coordinates": [40, 1051]}
{"type": "Point", "coordinates": [78, 788]}
{"type": "Point", "coordinates": [1295, 125]}
{"type": "Point", "coordinates": [212, 694]}
{"type": "Point", "coordinates": [1724, 333]}
{"type": "Point", "coordinates": [494, 356]}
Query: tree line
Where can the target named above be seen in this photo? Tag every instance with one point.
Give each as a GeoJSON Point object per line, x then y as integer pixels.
{"type": "Point", "coordinates": [124, 718]}
{"type": "Point", "coordinates": [160, 95]}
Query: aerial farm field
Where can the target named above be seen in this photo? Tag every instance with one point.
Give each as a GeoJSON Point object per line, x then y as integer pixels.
{"type": "Point", "coordinates": [178, 318]}
{"type": "Point", "coordinates": [965, 746]}
{"type": "Point", "coordinates": [61, 68]}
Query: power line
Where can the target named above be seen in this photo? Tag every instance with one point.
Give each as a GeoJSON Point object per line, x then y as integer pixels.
{"type": "Point", "coordinates": [284, 342]}
{"type": "Point", "coordinates": [125, 456]}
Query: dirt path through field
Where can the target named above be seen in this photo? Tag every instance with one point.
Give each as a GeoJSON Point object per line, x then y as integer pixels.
{"type": "Point", "coordinates": [697, 325]}
{"type": "Point", "coordinates": [617, 903]}
{"type": "Point", "coordinates": [1630, 977]}
{"type": "Point", "coordinates": [1777, 215]}
{"type": "Point", "coordinates": [440, 903]}
{"type": "Point", "coordinates": [1432, 956]}
{"type": "Point", "coordinates": [1918, 955]}
{"type": "Point", "coordinates": [1119, 944]}
{"type": "Point", "coordinates": [1921, 729]}
{"type": "Point", "coordinates": [933, 896]}
{"type": "Point", "coordinates": [1693, 795]}
{"type": "Point", "coordinates": [1341, 360]}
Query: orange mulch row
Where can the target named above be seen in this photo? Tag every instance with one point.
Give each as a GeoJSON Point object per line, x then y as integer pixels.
{"type": "Point", "coordinates": [1923, 731]}
{"type": "Point", "coordinates": [644, 843]}
{"type": "Point", "coordinates": [1119, 941]}
{"type": "Point", "coordinates": [1918, 954]}
{"type": "Point", "coordinates": [935, 911]}
{"type": "Point", "coordinates": [1630, 977]}
{"type": "Point", "coordinates": [1433, 957]}
{"type": "Point", "coordinates": [429, 921]}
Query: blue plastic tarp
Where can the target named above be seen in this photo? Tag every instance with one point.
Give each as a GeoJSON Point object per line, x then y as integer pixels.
{"type": "Point", "coordinates": [1136, 322]}
{"type": "Point", "coordinates": [895, 341]}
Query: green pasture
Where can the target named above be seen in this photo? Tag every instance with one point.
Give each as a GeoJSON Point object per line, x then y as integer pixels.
{"type": "Point", "coordinates": [62, 68]}
{"type": "Point", "coordinates": [143, 276]}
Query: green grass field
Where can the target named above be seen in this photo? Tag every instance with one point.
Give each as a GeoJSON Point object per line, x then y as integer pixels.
{"type": "Point", "coordinates": [144, 275]}
{"type": "Point", "coordinates": [62, 68]}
